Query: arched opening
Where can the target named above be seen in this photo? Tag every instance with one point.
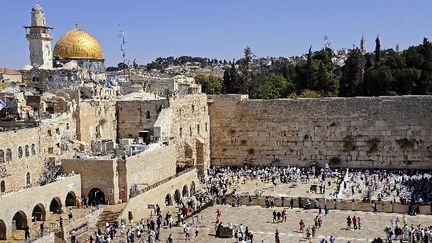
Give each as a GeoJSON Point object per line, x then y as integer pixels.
{"type": "Point", "coordinates": [192, 188]}
{"type": "Point", "coordinates": [27, 151]}
{"type": "Point", "coordinates": [70, 200]}
{"type": "Point", "coordinates": [19, 220]}
{"type": "Point", "coordinates": [96, 196]}
{"type": "Point", "coordinates": [2, 230]}
{"type": "Point", "coordinates": [39, 213]}
{"type": "Point", "coordinates": [28, 179]}
{"type": "Point", "coordinates": [147, 114]}
{"type": "Point", "coordinates": [20, 152]}
{"type": "Point", "coordinates": [2, 186]}
{"type": "Point", "coordinates": [2, 156]}
{"type": "Point", "coordinates": [177, 196]}
{"type": "Point", "coordinates": [185, 191]}
{"type": "Point", "coordinates": [168, 200]}
{"type": "Point", "coordinates": [8, 155]}
{"type": "Point", "coordinates": [55, 205]}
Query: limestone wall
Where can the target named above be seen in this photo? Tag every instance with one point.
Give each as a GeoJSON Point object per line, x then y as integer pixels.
{"type": "Point", "coordinates": [191, 129]}
{"type": "Point", "coordinates": [149, 167]}
{"type": "Point", "coordinates": [381, 132]}
{"type": "Point", "coordinates": [42, 195]}
{"type": "Point", "coordinates": [31, 150]}
{"type": "Point", "coordinates": [137, 115]}
{"type": "Point", "coordinates": [138, 204]}
{"type": "Point", "coordinates": [96, 173]}
{"type": "Point", "coordinates": [96, 120]}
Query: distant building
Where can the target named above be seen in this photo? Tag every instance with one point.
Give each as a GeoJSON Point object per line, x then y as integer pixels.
{"type": "Point", "coordinates": [8, 75]}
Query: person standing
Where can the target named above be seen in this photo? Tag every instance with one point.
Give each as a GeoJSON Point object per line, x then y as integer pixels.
{"type": "Point", "coordinates": [348, 222]}
{"type": "Point", "coordinates": [358, 223]}
{"type": "Point", "coordinates": [332, 239]}
{"type": "Point", "coordinates": [26, 232]}
{"type": "Point", "coordinates": [292, 203]}
{"type": "Point", "coordinates": [277, 239]}
{"type": "Point", "coordinates": [196, 231]}
{"type": "Point", "coordinates": [302, 225]}
{"type": "Point", "coordinates": [170, 239]}
{"type": "Point", "coordinates": [354, 221]}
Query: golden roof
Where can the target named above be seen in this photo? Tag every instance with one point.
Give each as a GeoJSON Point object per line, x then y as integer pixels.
{"type": "Point", "coordinates": [78, 44]}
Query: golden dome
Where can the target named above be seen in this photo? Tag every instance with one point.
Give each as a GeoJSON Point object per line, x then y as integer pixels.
{"type": "Point", "coordinates": [78, 44]}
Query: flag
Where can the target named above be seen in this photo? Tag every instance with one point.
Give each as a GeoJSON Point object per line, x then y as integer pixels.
{"type": "Point", "coordinates": [2, 105]}
{"type": "Point", "coordinates": [110, 84]}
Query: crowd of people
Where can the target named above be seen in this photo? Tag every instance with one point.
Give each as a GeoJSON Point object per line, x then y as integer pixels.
{"type": "Point", "coordinates": [404, 186]}
{"type": "Point", "coordinates": [400, 230]}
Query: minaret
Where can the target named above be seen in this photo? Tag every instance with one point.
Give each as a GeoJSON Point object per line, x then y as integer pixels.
{"type": "Point", "coordinates": [39, 37]}
{"type": "Point", "coordinates": [363, 45]}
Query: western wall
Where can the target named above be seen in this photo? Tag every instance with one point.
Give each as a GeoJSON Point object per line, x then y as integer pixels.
{"type": "Point", "coordinates": [373, 132]}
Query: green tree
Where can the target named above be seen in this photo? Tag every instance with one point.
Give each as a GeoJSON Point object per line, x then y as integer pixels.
{"type": "Point", "coordinates": [307, 93]}
{"type": "Point", "coordinates": [210, 84]}
{"type": "Point", "coordinates": [351, 82]}
{"type": "Point", "coordinates": [377, 50]}
{"type": "Point", "coordinates": [275, 86]}
{"type": "Point", "coordinates": [232, 83]}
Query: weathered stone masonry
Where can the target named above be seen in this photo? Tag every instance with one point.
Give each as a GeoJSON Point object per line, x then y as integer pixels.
{"type": "Point", "coordinates": [380, 132]}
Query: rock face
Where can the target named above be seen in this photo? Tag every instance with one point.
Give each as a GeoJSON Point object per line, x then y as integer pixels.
{"type": "Point", "coordinates": [378, 132]}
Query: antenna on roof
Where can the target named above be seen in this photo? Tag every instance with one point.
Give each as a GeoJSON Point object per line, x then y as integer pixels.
{"type": "Point", "coordinates": [123, 44]}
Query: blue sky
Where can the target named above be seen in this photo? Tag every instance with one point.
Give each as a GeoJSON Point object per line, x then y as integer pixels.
{"type": "Point", "coordinates": [219, 29]}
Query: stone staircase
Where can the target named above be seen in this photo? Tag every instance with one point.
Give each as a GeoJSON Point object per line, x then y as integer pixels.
{"type": "Point", "coordinates": [110, 215]}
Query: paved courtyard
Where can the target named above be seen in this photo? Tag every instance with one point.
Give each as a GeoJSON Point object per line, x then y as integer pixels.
{"type": "Point", "coordinates": [259, 221]}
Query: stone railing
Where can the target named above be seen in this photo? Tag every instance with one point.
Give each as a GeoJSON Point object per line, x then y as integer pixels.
{"type": "Point", "coordinates": [135, 193]}
{"type": "Point", "coordinates": [384, 206]}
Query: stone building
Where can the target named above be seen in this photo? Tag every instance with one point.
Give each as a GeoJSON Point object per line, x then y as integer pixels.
{"type": "Point", "coordinates": [188, 125]}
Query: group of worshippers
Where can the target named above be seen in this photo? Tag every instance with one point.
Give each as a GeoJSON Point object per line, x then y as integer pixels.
{"type": "Point", "coordinates": [409, 186]}
{"type": "Point", "coordinates": [400, 230]}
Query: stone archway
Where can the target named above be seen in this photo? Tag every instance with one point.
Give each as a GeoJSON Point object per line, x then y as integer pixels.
{"type": "Point", "coordinates": [192, 188]}
{"type": "Point", "coordinates": [185, 191]}
{"type": "Point", "coordinates": [177, 196]}
{"type": "Point", "coordinates": [96, 196]}
{"type": "Point", "coordinates": [56, 205]}
{"type": "Point", "coordinates": [20, 220]}
{"type": "Point", "coordinates": [168, 200]}
{"type": "Point", "coordinates": [2, 230]}
{"type": "Point", "coordinates": [39, 213]}
{"type": "Point", "coordinates": [71, 199]}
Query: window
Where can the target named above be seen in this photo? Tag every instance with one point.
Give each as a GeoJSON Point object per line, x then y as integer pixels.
{"type": "Point", "coordinates": [2, 186]}
{"type": "Point", "coordinates": [190, 131]}
{"type": "Point", "coordinates": [33, 149]}
{"type": "Point", "coordinates": [181, 130]}
{"type": "Point", "coordinates": [205, 127]}
{"type": "Point", "coordinates": [198, 129]}
{"type": "Point", "coordinates": [193, 108]}
{"type": "Point", "coordinates": [51, 150]}
{"type": "Point", "coordinates": [2, 159]}
{"type": "Point", "coordinates": [67, 126]}
{"type": "Point", "coordinates": [20, 152]}
{"type": "Point", "coordinates": [28, 182]}
{"type": "Point", "coordinates": [147, 115]}
{"type": "Point", "coordinates": [58, 131]}
{"type": "Point", "coordinates": [27, 152]}
{"type": "Point", "coordinates": [49, 133]}
{"type": "Point", "coordinates": [8, 155]}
